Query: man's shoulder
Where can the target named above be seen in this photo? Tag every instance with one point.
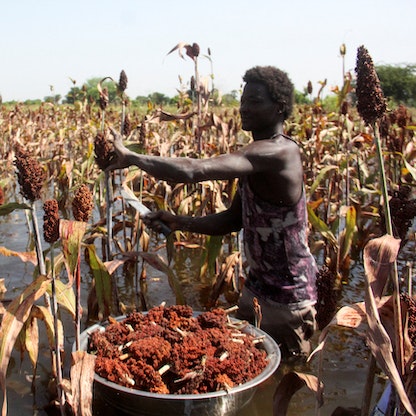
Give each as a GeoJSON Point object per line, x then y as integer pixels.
{"type": "Point", "coordinates": [271, 148]}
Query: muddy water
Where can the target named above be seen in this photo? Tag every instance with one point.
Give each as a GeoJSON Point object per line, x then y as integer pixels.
{"type": "Point", "coordinates": [344, 361]}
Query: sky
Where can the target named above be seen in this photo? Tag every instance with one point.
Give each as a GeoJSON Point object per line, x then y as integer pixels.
{"type": "Point", "coordinates": [46, 45]}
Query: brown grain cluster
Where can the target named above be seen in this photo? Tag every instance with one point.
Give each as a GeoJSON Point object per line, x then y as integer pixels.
{"type": "Point", "coordinates": [30, 175]}
{"type": "Point", "coordinates": [104, 150]}
{"type": "Point", "coordinates": [371, 103]}
{"type": "Point", "coordinates": [1, 196]}
{"type": "Point", "coordinates": [328, 296]}
{"type": "Point", "coordinates": [170, 351]}
{"type": "Point", "coordinates": [192, 50]}
{"type": "Point", "coordinates": [403, 212]}
{"type": "Point", "coordinates": [122, 82]}
{"type": "Point", "coordinates": [51, 221]}
{"type": "Point", "coordinates": [104, 98]}
{"type": "Point", "coordinates": [82, 204]}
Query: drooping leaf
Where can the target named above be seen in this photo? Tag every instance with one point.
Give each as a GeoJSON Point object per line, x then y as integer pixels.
{"type": "Point", "coordinates": [179, 47]}
{"type": "Point", "coordinates": [102, 278]}
{"type": "Point", "coordinates": [30, 339]}
{"type": "Point", "coordinates": [348, 234]}
{"type": "Point", "coordinates": [65, 296]}
{"type": "Point", "coordinates": [29, 256]}
{"type": "Point", "coordinates": [320, 226]}
{"type": "Point", "coordinates": [16, 314]}
{"type": "Point", "coordinates": [379, 255]}
{"type": "Point", "coordinates": [71, 234]}
{"type": "Point", "coordinates": [43, 313]}
{"type": "Point", "coordinates": [350, 316]}
{"type": "Point", "coordinates": [158, 263]}
{"type": "Point", "coordinates": [226, 275]}
{"type": "Point", "coordinates": [82, 377]}
{"type": "Point", "coordinates": [6, 209]}
{"type": "Point", "coordinates": [321, 176]}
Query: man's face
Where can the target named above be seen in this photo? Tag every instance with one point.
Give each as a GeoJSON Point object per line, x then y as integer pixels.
{"type": "Point", "coordinates": [258, 112]}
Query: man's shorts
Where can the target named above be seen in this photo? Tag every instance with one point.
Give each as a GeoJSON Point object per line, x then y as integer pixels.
{"type": "Point", "coordinates": [290, 327]}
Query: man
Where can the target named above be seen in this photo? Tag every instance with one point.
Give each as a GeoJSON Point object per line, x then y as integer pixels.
{"type": "Point", "coordinates": [270, 205]}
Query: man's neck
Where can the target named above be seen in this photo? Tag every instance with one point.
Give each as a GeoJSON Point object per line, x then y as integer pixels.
{"type": "Point", "coordinates": [268, 133]}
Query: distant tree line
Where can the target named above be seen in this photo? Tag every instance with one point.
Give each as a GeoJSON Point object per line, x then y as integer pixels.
{"type": "Point", "coordinates": [397, 81]}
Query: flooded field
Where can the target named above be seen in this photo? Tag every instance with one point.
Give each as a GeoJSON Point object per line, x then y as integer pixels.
{"type": "Point", "coordinates": [345, 359]}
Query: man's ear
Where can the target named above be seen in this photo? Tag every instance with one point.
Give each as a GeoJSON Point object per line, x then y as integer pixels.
{"type": "Point", "coordinates": [279, 107]}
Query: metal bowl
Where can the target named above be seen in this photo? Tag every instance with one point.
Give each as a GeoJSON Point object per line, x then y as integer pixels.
{"type": "Point", "coordinates": [127, 401]}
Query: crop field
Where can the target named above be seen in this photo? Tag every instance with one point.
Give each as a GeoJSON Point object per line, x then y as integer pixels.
{"type": "Point", "coordinates": [85, 241]}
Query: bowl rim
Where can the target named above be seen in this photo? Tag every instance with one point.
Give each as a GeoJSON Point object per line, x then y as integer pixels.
{"type": "Point", "coordinates": [270, 345]}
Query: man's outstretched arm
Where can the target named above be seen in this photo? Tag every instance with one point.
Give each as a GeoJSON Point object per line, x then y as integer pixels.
{"type": "Point", "coordinates": [220, 223]}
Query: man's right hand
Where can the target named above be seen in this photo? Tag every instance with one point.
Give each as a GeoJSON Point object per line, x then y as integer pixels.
{"type": "Point", "coordinates": [122, 154]}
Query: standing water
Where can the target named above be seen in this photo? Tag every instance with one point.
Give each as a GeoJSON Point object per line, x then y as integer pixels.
{"type": "Point", "coordinates": [345, 360]}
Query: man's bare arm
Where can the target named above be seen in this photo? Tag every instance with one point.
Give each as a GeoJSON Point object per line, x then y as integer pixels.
{"type": "Point", "coordinates": [184, 170]}
{"type": "Point", "coordinates": [220, 223]}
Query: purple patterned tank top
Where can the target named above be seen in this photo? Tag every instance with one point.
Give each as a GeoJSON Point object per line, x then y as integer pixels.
{"type": "Point", "coordinates": [282, 268]}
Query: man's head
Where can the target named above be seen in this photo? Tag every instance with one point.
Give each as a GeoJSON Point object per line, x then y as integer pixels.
{"type": "Point", "coordinates": [278, 84]}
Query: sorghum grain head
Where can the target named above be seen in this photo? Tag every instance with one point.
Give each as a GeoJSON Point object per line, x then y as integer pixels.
{"type": "Point", "coordinates": [192, 50]}
{"type": "Point", "coordinates": [104, 150]}
{"type": "Point", "coordinates": [122, 82]}
{"type": "Point", "coordinates": [1, 196]}
{"type": "Point", "coordinates": [371, 103]}
{"type": "Point", "coordinates": [127, 126]}
{"type": "Point", "coordinates": [310, 88]}
{"type": "Point", "coordinates": [30, 175]}
{"type": "Point", "coordinates": [104, 99]}
{"type": "Point", "coordinates": [82, 204]}
{"type": "Point", "coordinates": [51, 221]}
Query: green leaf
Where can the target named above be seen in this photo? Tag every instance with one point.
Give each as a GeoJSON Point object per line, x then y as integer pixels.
{"type": "Point", "coordinates": [320, 226]}
{"type": "Point", "coordinates": [213, 246]}
{"type": "Point", "coordinates": [350, 222]}
{"type": "Point", "coordinates": [103, 287]}
{"type": "Point", "coordinates": [71, 233]}
{"type": "Point", "coordinates": [6, 209]}
{"type": "Point", "coordinates": [65, 296]}
{"type": "Point", "coordinates": [321, 176]}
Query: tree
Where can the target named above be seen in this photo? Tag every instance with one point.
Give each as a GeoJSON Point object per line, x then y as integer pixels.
{"type": "Point", "coordinates": [52, 99]}
{"type": "Point", "coordinates": [302, 97]}
{"type": "Point", "coordinates": [90, 92]}
{"type": "Point", "coordinates": [158, 98]}
{"type": "Point", "coordinates": [74, 94]}
{"type": "Point", "coordinates": [398, 83]}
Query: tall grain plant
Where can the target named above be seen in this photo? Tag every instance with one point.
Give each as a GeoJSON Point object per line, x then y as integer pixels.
{"type": "Point", "coordinates": [31, 178]}
{"type": "Point", "coordinates": [371, 105]}
{"type": "Point", "coordinates": [51, 236]}
{"type": "Point", "coordinates": [82, 206]}
{"type": "Point", "coordinates": [19, 316]}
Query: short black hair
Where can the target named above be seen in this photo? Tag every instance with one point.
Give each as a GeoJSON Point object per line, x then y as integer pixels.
{"type": "Point", "coordinates": [278, 84]}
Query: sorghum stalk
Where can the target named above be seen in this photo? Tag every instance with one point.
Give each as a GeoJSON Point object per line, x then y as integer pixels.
{"type": "Point", "coordinates": [109, 212]}
{"type": "Point", "coordinates": [51, 235]}
{"type": "Point", "coordinates": [371, 105]}
{"type": "Point", "coordinates": [104, 152]}
{"type": "Point", "coordinates": [122, 85]}
{"type": "Point", "coordinates": [82, 206]}
{"type": "Point", "coordinates": [59, 376]}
